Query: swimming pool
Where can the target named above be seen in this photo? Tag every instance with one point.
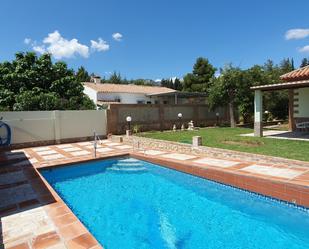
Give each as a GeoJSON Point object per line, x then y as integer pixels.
{"type": "Point", "coordinates": [128, 203]}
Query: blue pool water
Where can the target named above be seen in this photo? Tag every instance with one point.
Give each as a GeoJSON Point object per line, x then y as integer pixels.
{"type": "Point", "coordinates": [127, 203]}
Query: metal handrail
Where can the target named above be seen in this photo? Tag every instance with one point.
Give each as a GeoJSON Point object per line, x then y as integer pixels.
{"type": "Point", "coordinates": [95, 143]}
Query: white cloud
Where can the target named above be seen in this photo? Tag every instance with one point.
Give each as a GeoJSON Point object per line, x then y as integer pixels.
{"type": "Point", "coordinates": [39, 49]}
{"type": "Point", "coordinates": [99, 45]}
{"type": "Point", "coordinates": [60, 47]}
{"type": "Point", "coordinates": [117, 36]}
{"type": "Point", "coordinates": [27, 41]}
{"type": "Point", "coordinates": [304, 49]}
{"type": "Point", "coordinates": [296, 34]}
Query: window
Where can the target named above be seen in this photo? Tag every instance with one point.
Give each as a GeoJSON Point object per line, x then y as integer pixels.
{"type": "Point", "coordinates": [148, 102]}
{"type": "Point", "coordinates": [140, 102]}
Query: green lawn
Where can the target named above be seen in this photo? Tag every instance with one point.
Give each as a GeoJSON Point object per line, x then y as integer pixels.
{"type": "Point", "coordinates": [227, 138]}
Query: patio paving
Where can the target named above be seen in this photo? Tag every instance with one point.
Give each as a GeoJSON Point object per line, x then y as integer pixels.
{"type": "Point", "coordinates": [33, 216]}
{"type": "Point", "coordinates": [297, 136]}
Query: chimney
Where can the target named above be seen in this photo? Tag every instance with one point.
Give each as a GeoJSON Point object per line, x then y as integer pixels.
{"type": "Point", "coordinates": [95, 79]}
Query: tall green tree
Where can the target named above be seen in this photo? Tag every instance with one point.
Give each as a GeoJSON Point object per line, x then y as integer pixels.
{"type": "Point", "coordinates": [115, 78]}
{"type": "Point", "coordinates": [201, 77]}
{"type": "Point", "coordinates": [36, 83]}
{"type": "Point", "coordinates": [178, 85]}
{"type": "Point", "coordinates": [286, 65]}
{"type": "Point", "coordinates": [82, 75]}
{"type": "Point", "coordinates": [304, 62]}
{"type": "Point", "coordinates": [228, 89]}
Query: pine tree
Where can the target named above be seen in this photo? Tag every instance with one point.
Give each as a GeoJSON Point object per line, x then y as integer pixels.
{"type": "Point", "coordinates": [201, 77]}
{"type": "Point", "coordinates": [304, 62]}
{"type": "Point", "coordinates": [82, 75]}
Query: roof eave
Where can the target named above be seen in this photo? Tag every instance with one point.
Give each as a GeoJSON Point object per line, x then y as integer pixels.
{"type": "Point", "coordinates": [282, 86]}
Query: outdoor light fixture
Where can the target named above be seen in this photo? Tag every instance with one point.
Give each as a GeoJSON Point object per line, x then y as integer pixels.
{"type": "Point", "coordinates": [129, 119]}
{"type": "Point", "coordinates": [217, 116]}
{"type": "Point", "coordinates": [180, 117]}
{"type": "Point", "coordinates": [266, 112]}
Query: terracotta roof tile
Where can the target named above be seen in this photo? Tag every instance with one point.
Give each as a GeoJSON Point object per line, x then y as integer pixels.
{"type": "Point", "coordinates": [298, 74]}
{"type": "Point", "coordinates": [121, 88]}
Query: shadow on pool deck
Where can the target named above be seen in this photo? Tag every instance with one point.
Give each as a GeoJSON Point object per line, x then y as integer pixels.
{"type": "Point", "coordinates": [22, 196]}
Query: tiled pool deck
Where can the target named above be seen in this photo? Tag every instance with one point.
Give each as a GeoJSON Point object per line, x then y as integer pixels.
{"type": "Point", "coordinates": [34, 216]}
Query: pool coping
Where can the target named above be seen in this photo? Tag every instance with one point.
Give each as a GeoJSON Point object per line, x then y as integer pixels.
{"type": "Point", "coordinates": [274, 188]}
{"type": "Point", "coordinates": [68, 228]}
{"type": "Point", "coordinates": [58, 210]}
{"type": "Point", "coordinates": [78, 224]}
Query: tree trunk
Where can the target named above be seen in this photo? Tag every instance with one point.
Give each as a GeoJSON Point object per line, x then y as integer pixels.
{"type": "Point", "coordinates": [232, 116]}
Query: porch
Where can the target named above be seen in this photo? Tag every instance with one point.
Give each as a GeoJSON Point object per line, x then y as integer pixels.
{"type": "Point", "coordinates": [298, 87]}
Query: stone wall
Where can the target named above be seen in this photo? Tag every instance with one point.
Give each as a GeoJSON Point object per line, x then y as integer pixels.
{"type": "Point", "coordinates": [161, 117]}
{"type": "Point", "coordinates": [156, 144]}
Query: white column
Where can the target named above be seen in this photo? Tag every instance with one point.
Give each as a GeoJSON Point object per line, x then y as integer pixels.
{"type": "Point", "coordinates": [258, 113]}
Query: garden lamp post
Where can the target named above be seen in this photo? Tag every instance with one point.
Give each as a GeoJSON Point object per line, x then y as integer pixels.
{"type": "Point", "coordinates": [217, 116]}
{"type": "Point", "coordinates": [179, 115]}
{"type": "Point", "coordinates": [129, 120]}
{"type": "Point", "coordinates": [266, 115]}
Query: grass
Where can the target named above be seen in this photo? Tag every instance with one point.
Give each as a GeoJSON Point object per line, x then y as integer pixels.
{"type": "Point", "coordinates": [228, 138]}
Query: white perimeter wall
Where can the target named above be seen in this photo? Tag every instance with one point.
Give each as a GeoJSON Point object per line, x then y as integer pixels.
{"type": "Point", "coordinates": [36, 126]}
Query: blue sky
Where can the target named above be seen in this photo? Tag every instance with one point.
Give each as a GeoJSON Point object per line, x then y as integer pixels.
{"type": "Point", "coordinates": [155, 39]}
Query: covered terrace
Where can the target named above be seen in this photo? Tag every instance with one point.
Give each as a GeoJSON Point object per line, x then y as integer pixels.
{"type": "Point", "coordinates": [297, 84]}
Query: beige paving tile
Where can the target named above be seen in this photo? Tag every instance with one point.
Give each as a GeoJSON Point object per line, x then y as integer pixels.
{"type": "Point", "coordinates": [153, 152]}
{"type": "Point", "coordinates": [216, 162]}
{"type": "Point", "coordinates": [80, 153]}
{"type": "Point", "coordinates": [178, 156]}
{"type": "Point", "coordinates": [53, 157]}
{"type": "Point", "coordinates": [104, 150]}
{"type": "Point", "coordinates": [46, 152]}
{"type": "Point", "coordinates": [84, 143]}
{"type": "Point", "coordinates": [62, 146]}
{"type": "Point", "coordinates": [272, 171]}
{"type": "Point", "coordinates": [41, 148]}
{"type": "Point", "coordinates": [71, 149]}
{"type": "Point", "coordinates": [105, 141]}
{"type": "Point", "coordinates": [18, 150]}
{"type": "Point", "coordinates": [113, 144]}
{"type": "Point", "coordinates": [26, 225]}
{"type": "Point", "coordinates": [123, 147]}
{"type": "Point", "coordinates": [92, 146]}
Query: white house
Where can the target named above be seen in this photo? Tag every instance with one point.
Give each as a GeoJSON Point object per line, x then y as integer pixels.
{"type": "Point", "coordinates": [128, 94]}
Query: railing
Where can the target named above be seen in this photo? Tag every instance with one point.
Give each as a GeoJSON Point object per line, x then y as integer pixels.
{"type": "Point", "coordinates": [95, 143]}
{"type": "Point", "coordinates": [302, 125]}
